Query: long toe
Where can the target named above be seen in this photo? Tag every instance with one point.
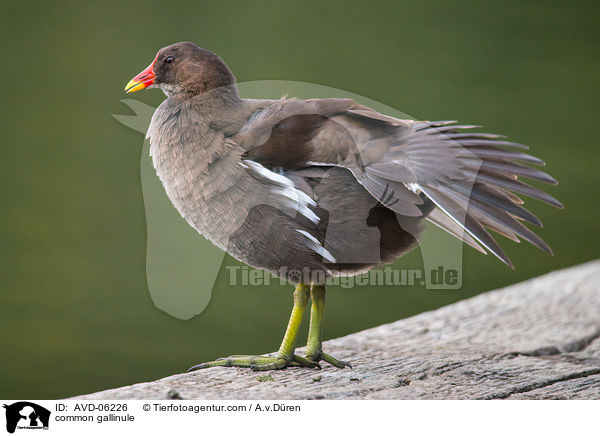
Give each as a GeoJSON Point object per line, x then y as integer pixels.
{"type": "Point", "coordinates": [258, 363]}
{"type": "Point", "coordinates": [320, 355]}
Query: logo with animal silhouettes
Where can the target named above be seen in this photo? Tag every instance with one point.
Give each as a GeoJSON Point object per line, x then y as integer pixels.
{"type": "Point", "coordinates": [26, 415]}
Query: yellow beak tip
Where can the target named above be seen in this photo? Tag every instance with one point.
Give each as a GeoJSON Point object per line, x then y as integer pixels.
{"type": "Point", "coordinates": [134, 86]}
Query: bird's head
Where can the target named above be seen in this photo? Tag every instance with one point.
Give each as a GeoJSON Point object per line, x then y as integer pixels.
{"type": "Point", "coordinates": [183, 69]}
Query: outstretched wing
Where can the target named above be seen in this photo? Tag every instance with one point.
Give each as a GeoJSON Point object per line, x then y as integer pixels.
{"type": "Point", "coordinates": [472, 178]}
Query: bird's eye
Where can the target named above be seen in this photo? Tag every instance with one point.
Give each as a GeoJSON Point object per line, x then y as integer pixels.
{"type": "Point", "coordinates": [169, 60]}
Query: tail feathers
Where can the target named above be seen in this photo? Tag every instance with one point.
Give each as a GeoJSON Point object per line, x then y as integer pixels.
{"type": "Point", "coordinates": [486, 196]}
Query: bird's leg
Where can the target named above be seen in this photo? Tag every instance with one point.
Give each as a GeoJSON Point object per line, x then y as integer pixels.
{"type": "Point", "coordinates": [314, 351]}
{"type": "Point", "coordinates": [282, 358]}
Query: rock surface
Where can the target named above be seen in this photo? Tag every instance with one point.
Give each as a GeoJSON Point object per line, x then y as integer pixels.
{"type": "Point", "coordinates": [539, 339]}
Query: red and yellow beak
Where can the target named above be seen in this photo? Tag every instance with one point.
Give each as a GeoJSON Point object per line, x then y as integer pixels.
{"type": "Point", "coordinates": [142, 80]}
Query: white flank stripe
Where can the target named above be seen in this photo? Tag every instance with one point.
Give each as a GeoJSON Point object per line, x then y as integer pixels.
{"type": "Point", "coordinates": [317, 247]}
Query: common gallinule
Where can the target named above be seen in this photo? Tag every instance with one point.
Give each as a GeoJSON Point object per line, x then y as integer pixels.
{"type": "Point", "coordinates": [309, 189]}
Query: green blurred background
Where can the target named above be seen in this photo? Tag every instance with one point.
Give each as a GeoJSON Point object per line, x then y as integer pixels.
{"type": "Point", "coordinates": [75, 312]}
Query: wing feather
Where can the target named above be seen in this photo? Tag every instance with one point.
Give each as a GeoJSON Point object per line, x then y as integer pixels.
{"type": "Point", "coordinates": [472, 180]}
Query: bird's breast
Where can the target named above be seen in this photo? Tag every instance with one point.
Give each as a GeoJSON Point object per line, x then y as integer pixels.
{"type": "Point", "coordinates": [205, 182]}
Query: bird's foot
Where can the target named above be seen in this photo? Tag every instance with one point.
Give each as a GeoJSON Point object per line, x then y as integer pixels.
{"type": "Point", "coordinates": [317, 356]}
{"type": "Point", "coordinates": [260, 363]}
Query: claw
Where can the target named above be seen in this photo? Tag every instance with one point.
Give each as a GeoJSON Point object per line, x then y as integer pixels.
{"type": "Point", "coordinates": [197, 367]}
{"type": "Point", "coordinates": [305, 362]}
{"type": "Point", "coordinates": [320, 355]}
{"type": "Point", "coordinates": [335, 362]}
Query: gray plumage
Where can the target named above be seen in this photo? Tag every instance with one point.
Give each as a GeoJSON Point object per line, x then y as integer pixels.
{"type": "Point", "coordinates": [327, 186]}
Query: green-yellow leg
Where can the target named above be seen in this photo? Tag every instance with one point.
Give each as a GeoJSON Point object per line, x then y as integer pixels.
{"type": "Point", "coordinates": [282, 358]}
{"type": "Point", "coordinates": [314, 350]}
